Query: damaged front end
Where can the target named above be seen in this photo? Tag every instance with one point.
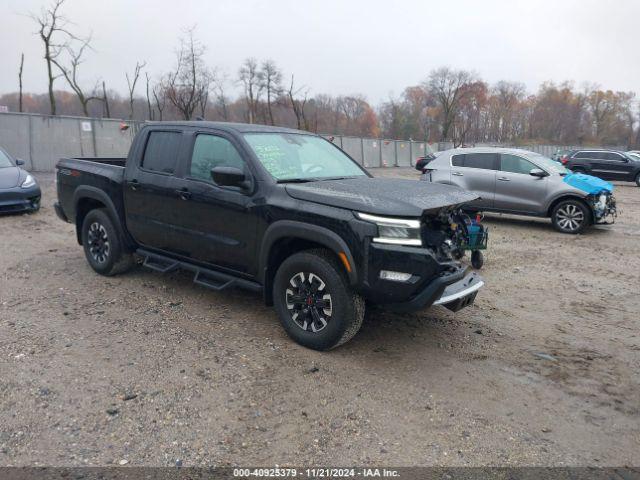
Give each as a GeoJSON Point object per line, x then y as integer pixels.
{"type": "Point", "coordinates": [450, 232]}
{"type": "Point", "coordinates": [599, 196]}
{"type": "Point", "coordinates": [604, 208]}
{"type": "Point", "coordinates": [414, 263]}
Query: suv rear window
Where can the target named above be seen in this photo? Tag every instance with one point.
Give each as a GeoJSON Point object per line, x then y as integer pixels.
{"type": "Point", "coordinates": [161, 152]}
{"type": "Point", "coordinates": [614, 156]}
{"type": "Point", "coordinates": [588, 155]}
{"type": "Point", "coordinates": [485, 161]}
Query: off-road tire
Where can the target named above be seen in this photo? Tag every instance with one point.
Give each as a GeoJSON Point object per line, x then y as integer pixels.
{"type": "Point", "coordinates": [347, 307]}
{"type": "Point", "coordinates": [113, 260]}
{"type": "Point", "coordinates": [563, 210]}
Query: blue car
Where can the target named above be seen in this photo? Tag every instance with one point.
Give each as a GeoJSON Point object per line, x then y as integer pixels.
{"type": "Point", "coordinates": [19, 190]}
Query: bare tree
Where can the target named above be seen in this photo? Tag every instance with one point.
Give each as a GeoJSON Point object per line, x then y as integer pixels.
{"type": "Point", "coordinates": [251, 79]}
{"type": "Point", "coordinates": [51, 26]}
{"type": "Point", "coordinates": [70, 73]}
{"type": "Point", "coordinates": [20, 82]}
{"type": "Point", "coordinates": [507, 95]}
{"type": "Point", "coordinates": [448, 88]}
{"type": "Point", "coordinates": [105, 100]}
{"type": "Point", "coordinates": [187, 87]}
{"type": "Point", "coordinates": [271, 84]}
{"type": "Point", "coordinates": [131, 84]}
{"type": "Point", "coordinates": [221, 98]}
{"type": "Point", "coordinates": [149, 107]}
{"type": "Point", "coordinates": [298, 105]}
{"type": "Point", "coordinates": [160, 99]}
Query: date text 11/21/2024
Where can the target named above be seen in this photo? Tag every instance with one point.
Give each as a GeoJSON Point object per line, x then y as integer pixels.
{"type": "Point", "coordinates": [315, 472]}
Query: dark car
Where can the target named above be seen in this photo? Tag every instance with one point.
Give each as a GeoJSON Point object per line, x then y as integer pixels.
{"type": "Point", "coordinates": [605, 164]}
{"type": "Point", "coordinates": [19, 190]}
{"type": "Point", "coordinates": [274, 210]}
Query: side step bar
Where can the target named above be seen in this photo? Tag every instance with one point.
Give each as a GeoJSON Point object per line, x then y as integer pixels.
{"type": "Point", "coordinates": [202, 276]}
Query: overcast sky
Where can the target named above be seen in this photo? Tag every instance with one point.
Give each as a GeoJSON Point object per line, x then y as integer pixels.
{"type": "Point", "coordinates": [374, 47]}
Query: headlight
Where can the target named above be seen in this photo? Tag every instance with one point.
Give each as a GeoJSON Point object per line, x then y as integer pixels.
{"type": "Point", "coordinates": [397, 231]}
{"type": "Point", "coordinates": [29, 181]}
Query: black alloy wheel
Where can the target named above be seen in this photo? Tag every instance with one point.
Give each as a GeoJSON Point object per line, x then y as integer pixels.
{"type": "Point", "coordinates": [308, 302]}
{"type": "Point", "coordinates": [99, 246]}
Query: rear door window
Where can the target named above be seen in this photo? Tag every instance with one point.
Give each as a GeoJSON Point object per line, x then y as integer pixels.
{"type": "Point", "coordinates": [458, 160]}
{"type": "Point", "coordinates": [515, 164]}
{"type": "Point", "coordinates": [484, 161]}
{"type": "Point", "coordinates": [161, 152]}
{"type": "Point", "coordinates": [616, 157]}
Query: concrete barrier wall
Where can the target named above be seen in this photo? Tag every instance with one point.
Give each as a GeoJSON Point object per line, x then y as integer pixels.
{"type": "Point", "coordinates": [40, 140]}
{"type": "Point", "coordinates": [371, 148]}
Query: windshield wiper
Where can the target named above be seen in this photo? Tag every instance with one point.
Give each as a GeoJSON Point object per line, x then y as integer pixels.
{"type": "Point", "coordinates": [314, 179]}
{"type": "Point", "coordinates": [298, 180]}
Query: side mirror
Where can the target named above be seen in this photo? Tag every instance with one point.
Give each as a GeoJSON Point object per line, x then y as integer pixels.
{"type": "Point", "coordinates": [229, 177]}
{"type": "Point", "coordinates": [538, 172]}
{"type": "Point", "coordinates": [19, 162]}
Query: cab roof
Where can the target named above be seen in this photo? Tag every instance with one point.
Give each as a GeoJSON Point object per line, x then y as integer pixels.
{"type": "Point", "coordinates": [231, 127]}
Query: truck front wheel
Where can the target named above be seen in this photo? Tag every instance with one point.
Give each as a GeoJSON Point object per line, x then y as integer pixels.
{"type": "Point", "coordinates": [102, 244]}
{"type": "Point", "coordinates": [316, 305]}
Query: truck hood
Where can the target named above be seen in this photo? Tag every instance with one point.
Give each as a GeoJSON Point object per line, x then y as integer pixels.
{"type": "Point", "coordinates": [9, 177]}
{"type": "Point", "coordinates": [381, 196]}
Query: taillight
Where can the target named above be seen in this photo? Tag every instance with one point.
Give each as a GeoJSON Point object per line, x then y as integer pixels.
{"type": "Point", "coordinates": [564, 159]}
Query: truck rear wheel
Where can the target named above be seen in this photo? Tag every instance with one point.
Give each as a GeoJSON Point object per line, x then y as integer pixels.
{"type": "Point", "coordinates": [316, 305]}
{"type": "Point", "coordinates": [102, 244]}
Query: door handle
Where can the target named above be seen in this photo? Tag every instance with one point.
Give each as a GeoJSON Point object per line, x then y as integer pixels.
{"type": "Point", "coordinates": [457, 174]}
{"type": "Point", "coordinates": [504, 179]}
{"type": "Point", "coordinates": [133, 184]}
{"type": "Point", "coordinates": [184, 194]}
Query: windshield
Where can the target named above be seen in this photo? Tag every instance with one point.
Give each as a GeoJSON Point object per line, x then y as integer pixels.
{"type": "Point", "coordinates": [293, 156]}
{"type": "Point", "coordinates": [5, 161]}
{"type": "Point", "coordinates": [549, 165]}
{"type": "Point", "coordinates": [634, 156]}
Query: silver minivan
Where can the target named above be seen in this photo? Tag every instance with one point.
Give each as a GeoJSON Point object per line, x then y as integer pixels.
{"type": "Point", "coordinates": [525, 183]}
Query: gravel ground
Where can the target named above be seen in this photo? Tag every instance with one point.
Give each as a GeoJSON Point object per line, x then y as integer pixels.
{"type": "Point", "coordinates": [144, 369]}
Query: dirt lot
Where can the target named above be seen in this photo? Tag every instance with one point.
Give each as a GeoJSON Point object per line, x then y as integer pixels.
{"type": "Point", "coordinates": [153, 370]}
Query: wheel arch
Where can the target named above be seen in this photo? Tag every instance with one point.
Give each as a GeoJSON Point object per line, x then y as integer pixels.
{"type": "Point", "coordinates": [562, 198]}
{"type": "Point", "coordinates": [284, 238]}
{"type": "Point", "coordinates": [87, 198]}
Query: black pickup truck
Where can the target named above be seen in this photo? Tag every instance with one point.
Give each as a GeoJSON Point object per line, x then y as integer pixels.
{"type": "Point", "coordinates": [274, 210]}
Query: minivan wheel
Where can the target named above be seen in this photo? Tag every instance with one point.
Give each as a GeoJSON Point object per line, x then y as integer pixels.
{"type": "Point", "coordinates": [570, 216]}
{"type": "Point", "coordinates": [315, 302]}
{"type": "Point", "coordinates": [102, 245]}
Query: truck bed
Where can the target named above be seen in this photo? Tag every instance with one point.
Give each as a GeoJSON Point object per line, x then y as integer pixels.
{"type": "Point", "coordinates": [104, 174]}
{"type": "Point", "coordinates": [117, 161]}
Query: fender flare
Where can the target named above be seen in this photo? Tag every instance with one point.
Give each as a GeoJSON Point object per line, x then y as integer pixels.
{"type": "Point", "coordinates": [94, 193]}
{"type": "Point", "coordinates": [314, 233]}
